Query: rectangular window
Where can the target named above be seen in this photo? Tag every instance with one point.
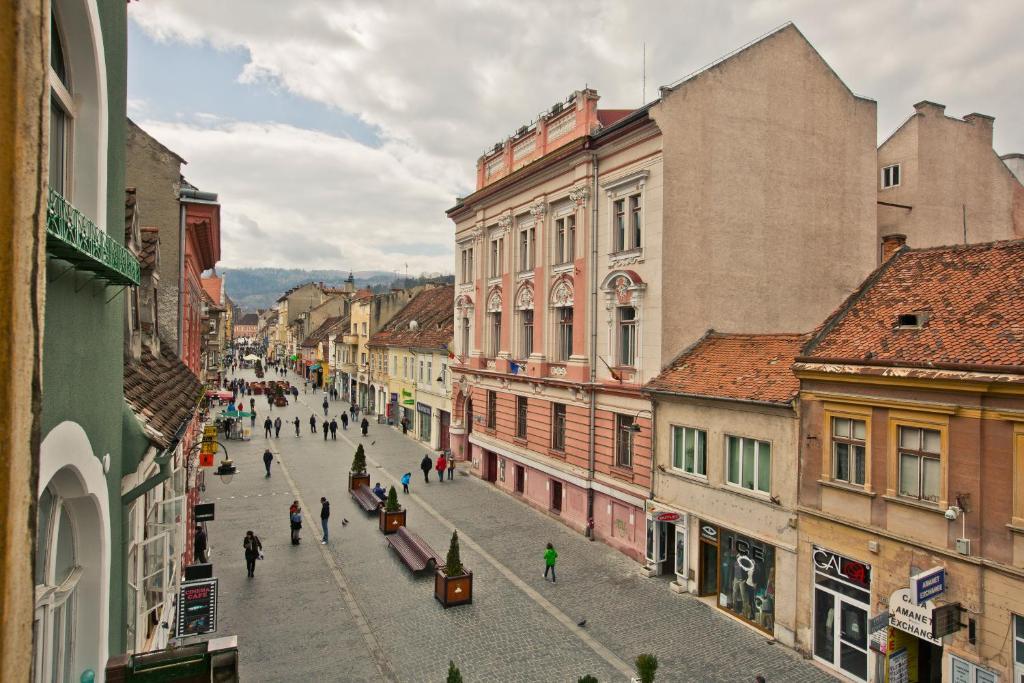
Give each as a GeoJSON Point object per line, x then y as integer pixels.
{"type": "Point", "coordinates": [492, 409]}
{"type": "Point", "coordinates": [467, 265]}
{"type": "Point", "coordinates": [495, 340]}
{"type": "Point", "coordinates": [430, 371]}
{"type": "Point", "coordinates": [527, 248]}
{"type": "Point", "coordinates": [496, 257]}
{"type": "Point", "coordinates": [890, 176]}
{"type": "Point", "coordinates": [848, 450]}
{"type": "Point", "coordinates": [749, 463]}
{"type": "Point", "coordinates": [920, 470]}
{"type": "Point", "coordinates": [627, 336]}
{"type": "Point", "coordinates": [624, 440]}
{"type": "Point", "coordinates": [690, 450]}
{"type": "Point", "coordinates": [464, 331]}
{"type": "Point", "coordinates": [619, 225]}
{"type": "Point", "coordinates": [565, 239]}
{"type": "Point", "coordinates": [405, 366]}
{"type": "Point", "coordinates": [558, 426]}
{"type": "Point", "coordinates": [1018, 644]}
{"type": "Point", "coordinates": [635, 221]}
{"type": "Point", "coordinates": [526, 334]}
{"type": "Point", "coordinates": [564, 333]}
{"type": "Point", "coordinates": [521, 417]}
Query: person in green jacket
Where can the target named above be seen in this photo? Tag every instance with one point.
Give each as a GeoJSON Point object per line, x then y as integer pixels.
{"type": "Point", "coordinates": [550, 555]}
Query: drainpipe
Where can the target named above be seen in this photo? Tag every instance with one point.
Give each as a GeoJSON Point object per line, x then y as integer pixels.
{"type": "Point", "coordinates": [593, 345]}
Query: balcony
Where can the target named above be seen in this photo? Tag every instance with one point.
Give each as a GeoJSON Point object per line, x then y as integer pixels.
{"type": "Point", "coordinates": [72, 237]}
{"type": "Point", "coordinates": [350, 339]}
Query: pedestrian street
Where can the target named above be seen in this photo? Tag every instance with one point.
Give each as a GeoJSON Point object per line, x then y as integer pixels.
{"type": "Point", "coordinates": [351, 611]}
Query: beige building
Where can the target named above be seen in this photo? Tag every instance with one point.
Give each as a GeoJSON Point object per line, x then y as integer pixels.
{"type": "Point", "coordinates": [722, 520]}
{"type": "Point", "coordinates": [561, 264]}
{"type": "Point", "coordinates": [940, 182]}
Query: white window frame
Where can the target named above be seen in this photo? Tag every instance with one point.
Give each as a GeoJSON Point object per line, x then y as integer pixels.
{"type": "Point", "coordinates": [620, 330]}
{"type": "Point", "coordinates": [55, 602]}
{"type": "Point", "coordinates": [564, 333]}
{"type": "Point", "coordinates": [758, 445]}
{"type": "Point", "coordinates": [495, 256]}
{"type": "Point", "coordinates": [620, 419]}
{"type": "Point", "coordinates": [564, 233]}
{"type": "Point", "coordinates": [526, 245]}
{"type": "Point", "coordinates": [679, 454]}
{"type": "Point", "coordinates": [494, 333]}
{"type": "Point", "coordinates": [898, 174]}
{"type": "Point", "coordinates": [934, 457]}
{"type": "Point", "coordinates": [526, 322]}
{"type": "Point", "coordinates": [1018, 647]}
{"type": "Point", "coordinates": [852, 442]}
{"type": "Point", "coordinates": [565, 420]}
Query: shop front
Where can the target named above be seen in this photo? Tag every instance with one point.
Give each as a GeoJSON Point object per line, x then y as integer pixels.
{"type": "Point", "coordinates": [740, 572]}
{"type": "Point", "coordinates": [842, 600]}
{"type": "Point", "coordinates": [424, 422]}
{"type": "Point", "coordinates": [665, 549]}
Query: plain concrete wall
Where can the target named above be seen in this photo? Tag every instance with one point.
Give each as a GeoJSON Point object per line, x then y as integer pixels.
{"type": "Point", "coordinates": [155, 173]}
{"type": "Point", "coordinates": [769, 192]}
{"type": "Point", "coordinates": [948, 168]}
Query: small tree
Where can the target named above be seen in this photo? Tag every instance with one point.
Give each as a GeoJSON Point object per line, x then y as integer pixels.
{"type": "Point", "coordinates": [454, 676]}
{"type": "Point", "coordinates": [453, 563]}
{"type": "Point", "coordinates": [646, 665]}
{"type": "Point", "coordinates": [587, 679]}
{"type": "Point", "coordinates": [359, 461]}
{"type": "Point", "coordinates": [392, 503]}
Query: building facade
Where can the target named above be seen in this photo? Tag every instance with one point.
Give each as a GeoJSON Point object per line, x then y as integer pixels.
{"type": "Point", "coordinates": [912, 471]}
{"type": "Point", "coordinates": [560, 316]}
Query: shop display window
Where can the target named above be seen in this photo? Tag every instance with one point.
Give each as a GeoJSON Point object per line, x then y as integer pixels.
{"type": "Point", "coordinates": [741, 571]}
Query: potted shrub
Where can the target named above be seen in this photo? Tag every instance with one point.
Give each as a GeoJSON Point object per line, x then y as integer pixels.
{"type": "Point", "coordinates": [646, 665]}
{"type": "Point", "coordinates": [453, 583]}
{"type": "Point", "coordinates": [454, 675]}
{"type": "Point", "coordinates": [357, 476]}
{"type": "Point", "coordinates": [392, 516]}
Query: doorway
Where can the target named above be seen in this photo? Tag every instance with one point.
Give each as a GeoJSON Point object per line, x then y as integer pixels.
{"type": "Point", "coordinates": [490, 466]}
{"type": "Point", "coordinates": [444, 438]}
{"type": "Point", "coordinates": [469, 417]}
{"type": "Point", "coordinates": [520, 480]}
{"type": "Point", "coordinates": [556, 497]}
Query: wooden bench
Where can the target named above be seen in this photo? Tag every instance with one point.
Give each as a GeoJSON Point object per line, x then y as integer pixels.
{"type": "Point", "coordinates": [367, 499]}
{"type": "Point", "coordinates": [413, 550]}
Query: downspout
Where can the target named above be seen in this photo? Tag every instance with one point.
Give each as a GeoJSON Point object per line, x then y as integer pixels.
{"type": "Point", "coordinates": [591, 455]}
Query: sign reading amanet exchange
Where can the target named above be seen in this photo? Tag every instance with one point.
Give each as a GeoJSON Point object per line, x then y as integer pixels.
{"type": "Point", "coordinates": [912, 618]}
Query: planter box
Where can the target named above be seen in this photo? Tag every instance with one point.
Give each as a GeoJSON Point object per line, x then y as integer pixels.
{"type": "Point", "coordinates": [453, 590]}
{"type": "Point", "coordinates": [355, 480]}
{"type": "Point", "coordinates": [390, 522]}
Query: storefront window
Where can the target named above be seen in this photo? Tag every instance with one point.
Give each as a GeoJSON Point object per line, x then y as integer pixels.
{"type": "Point", "coordinates": [842, 596]}
{"type": "Point", "coordinates": [741, 571]}
{"type": "Point", "coordinates": [424, 422]}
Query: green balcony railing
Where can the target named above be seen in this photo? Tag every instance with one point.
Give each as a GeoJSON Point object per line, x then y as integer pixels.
{"type": "Point", "coordinates": [72, 237]}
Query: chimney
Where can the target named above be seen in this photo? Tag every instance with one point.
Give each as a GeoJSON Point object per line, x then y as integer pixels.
{"type": "Point", "coordinates": [931, 107]}
{"type": "Point", "coordinates": [891, 244]}
{"type": "Point", "coordinates": [983, 122]}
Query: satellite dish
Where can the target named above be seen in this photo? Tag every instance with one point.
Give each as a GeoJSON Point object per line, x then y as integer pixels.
{"type": "Point", "coordinates": [413, 325]}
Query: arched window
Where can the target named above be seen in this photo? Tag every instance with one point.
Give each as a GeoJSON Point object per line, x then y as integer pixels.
{"type": "Point", "coordinates": [57, 577]}
{"type": "Point", "coordinates": [61, 111]}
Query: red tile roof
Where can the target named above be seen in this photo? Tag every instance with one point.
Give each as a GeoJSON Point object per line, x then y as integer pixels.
{"type": "Point", "coordinates": [970, 299]}
{"type": "Point", "coordinates": [746, 367]}
{"type": "Point", "coordinates": [321, 333]}
{"type": "Point", "coordinates": [162, 392]}
{"type": "Point", "coordinates": [432, 310]}
{"type": "Point", "coordinates": [609, 116]}
{"type": "Point", "coordinates": [212, 286]}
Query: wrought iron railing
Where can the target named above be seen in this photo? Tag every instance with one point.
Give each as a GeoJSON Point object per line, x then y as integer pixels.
{"type": "Point", "coordinates": [72, 237]}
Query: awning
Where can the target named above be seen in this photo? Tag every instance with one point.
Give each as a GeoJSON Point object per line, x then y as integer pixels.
{"type": "Point", "coordinates": [314, 367]}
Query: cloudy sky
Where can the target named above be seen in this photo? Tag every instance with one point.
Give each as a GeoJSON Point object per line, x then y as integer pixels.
{"type": "Point", "coordinates": [337, 132]}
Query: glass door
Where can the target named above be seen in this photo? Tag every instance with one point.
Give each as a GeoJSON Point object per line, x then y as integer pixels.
{"type": "Point", "coordinates": [840, 628]}
{"type": "Point", "coordinates": [681, 567]}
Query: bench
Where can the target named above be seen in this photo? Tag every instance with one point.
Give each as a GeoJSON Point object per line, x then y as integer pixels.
{"type": "Point", "coordinates": [366, 499]}
{"type": "Point", "coordinates": [413, 550]}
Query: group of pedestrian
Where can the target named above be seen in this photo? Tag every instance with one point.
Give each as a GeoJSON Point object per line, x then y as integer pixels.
{"type": "Point", "coordinates": [442, 465]}
{"type": "Point", "coordinates": [275, 426]}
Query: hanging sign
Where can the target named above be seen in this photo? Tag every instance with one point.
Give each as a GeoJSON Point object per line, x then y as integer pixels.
{"type": "Point", "coordinates": [912, 618]}
{"type": "Point", "coordinates": [203, 512]}
{"type": "Point", "coordinates": [668, 517]}
{"type": "Point", "coordinates": [209, 432]}
{"type": "Point", "coordinates": [946, 620]}
{"type": "Point", "coordinates": [928, 584]}
{"type": "Point", "coordinates": [208, 447]}
{"type": "Point", "coordinates": [197, 608]}
{"type": "Point", "coordinates": [206, 459]}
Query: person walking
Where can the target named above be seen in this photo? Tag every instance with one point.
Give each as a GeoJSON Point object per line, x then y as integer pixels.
{"type": "Point", "coordinates": [425, 464]}
{"type": "Point", "coordinates": [365, 426]}
{"type": "Point", "coordinates": [312, 424]}
{"type": "Point", "coordinates": [325, 427]}
{"type": "Point", "coordinates": [277, 428]}
{"type": "Point", "coordinates": [252, 405]}
{"type": "Point", "coordinates": [268, 458]}
{"type": "Point", "coordinates": [550, 556]}
{"type": "Point", "coordinates": [252, 419]}
{"type": "Point", "coordinates": [325, 406]}
{"type": "Point", "coordinates": [440, 467]}
{"type": "Point", "coordinates": [297, 422]}
{"type": "Point", "coordinates": [406, 478]}
{"type": "Point", "coordinates": [334, 429]}
{"type": "Point", "coordinates": [199, 544]}
{"type": "Point", "coordinates": [405, 426]}
{"type": "Point", "coordinates": [267, 427]}
{"type": "Point", "coordinates": [325, 513]}
{"type": "Point", "coordinates": [295, 393]}
{"type": "Point", "coordinates": [451, 467]}
{"type": "Point", "coordinates": [296, 524]}
{"type": "Point", "coordinates": [253, 550]}
{"type": "Point", "coordinates": [344, 421]}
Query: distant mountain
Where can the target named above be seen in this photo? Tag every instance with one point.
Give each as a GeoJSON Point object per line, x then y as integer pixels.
{"type": "Point", "coordinates": [252, 288]}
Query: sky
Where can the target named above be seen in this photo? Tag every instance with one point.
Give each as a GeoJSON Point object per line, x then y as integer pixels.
{"type": "Point", "coordinates": [337, 132]}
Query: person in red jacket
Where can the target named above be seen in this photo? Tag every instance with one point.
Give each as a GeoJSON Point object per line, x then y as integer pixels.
{"type": "Point", "coordinates": [440, 467]}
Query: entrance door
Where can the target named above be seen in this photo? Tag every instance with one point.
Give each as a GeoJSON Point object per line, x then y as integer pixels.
{"type": "Point", "coordinates": [444, 436]}
{"type": "Point", "coordinates": [491, 466]}
{"type": "Point", "coordinates": [658, 545]}
{"type": "Point", "coordinates": [469, 417]}
{"type": "Point", "coordinates": [841, 627]}
{"type": "Point", "coordinates": [556, 496]}
{"type": "Point", "coordinates": [520, 479]}
{"type": "Point", "coordinates": [708, 581]}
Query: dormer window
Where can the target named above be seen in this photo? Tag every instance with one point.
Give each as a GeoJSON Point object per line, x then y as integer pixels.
{"type": "Point", "coordinates": [911, 321]}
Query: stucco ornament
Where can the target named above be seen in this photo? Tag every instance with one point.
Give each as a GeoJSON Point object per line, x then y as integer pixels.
{"type": "Point", "coordinates": [538, 210]}
{"type": "Point", "coordinates": [504, 223]}
{"type": "Point", "coordinates": [494, 301]}
{"type": "Point", "coordinates": [622, 293]}
{"type": "Point", "coordinates": [579, 195]}
{"type": "Point", "coordinates": [524, 301]}
{"type": "Point", "coordinates": [463, 302]}
{"type": "Point", "coordinates": [562, 294]}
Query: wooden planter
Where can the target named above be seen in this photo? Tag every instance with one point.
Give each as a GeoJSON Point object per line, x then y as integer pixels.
{"type": "Point", "coordinates": [390, 522]}
{"type": "Point", "coordinates": [453, 590]}
{"type": "Point", "coordinates": [357, 479]}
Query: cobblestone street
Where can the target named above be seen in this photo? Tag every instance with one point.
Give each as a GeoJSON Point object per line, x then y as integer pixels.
{"type": "Point", "coordinates": [351, 611]}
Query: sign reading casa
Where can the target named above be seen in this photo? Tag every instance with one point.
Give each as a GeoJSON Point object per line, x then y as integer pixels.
{"type": "Point", "coordinates": [912, 618]}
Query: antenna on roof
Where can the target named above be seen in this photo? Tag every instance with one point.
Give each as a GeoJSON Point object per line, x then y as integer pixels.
{"type": "Point", "coordinates": [643, 75]}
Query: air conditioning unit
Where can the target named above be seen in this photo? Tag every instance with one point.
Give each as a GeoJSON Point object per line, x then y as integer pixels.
{"type": "Point", "coordinates": [963, 546]}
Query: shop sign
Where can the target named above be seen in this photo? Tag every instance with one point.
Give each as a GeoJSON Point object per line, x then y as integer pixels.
{"type": "Point", "coordinates": [899, 667]}
{"type": "Point", "coordinates": [709, 532]}
{"type": "Point", "coordinates": [197, 608]}
{"type": "Point", "coordinates": [203, 512]}
{"type": "Point", "coordinates": [667, 517]}
{"type": "Point", "coordinates": [206, 459]}
{"type": "Point", "coordinates": [208, 447]}
{"type": "Point", "coordinates": [966, 672]}
{"type": "Point", "coordinates": [946, 620]}
{"type": "Point", "coordinates": [912, 618]}
{"type": "Point", "coordinates": [209, 433]}
{"type": "Point", "coordinates": [928, 584]}
{"type": "Point", "coordinates": [878, 628]}
{"type": "Point", "coordinates": [835, 565]}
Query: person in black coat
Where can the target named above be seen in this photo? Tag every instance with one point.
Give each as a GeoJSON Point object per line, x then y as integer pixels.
{"type": "Point", "coordinates": [253, 547]}
{"type": "Point", "coordinates": [312, 424]}
{"type": "Point", "coordinates": [268, 458]}
{"type": "Point", "coordinates": [426, 464]}
{"type": "Point", "coordinates": [268, 427]}
{"type": "Point", "coordinates": [334, 429]}
{"type": "Point", "coordinates": [365, 426]}
{"type": "Point", "coordinates": [199, 545]}
{"type": "Point", "coordinates": [325, 514]}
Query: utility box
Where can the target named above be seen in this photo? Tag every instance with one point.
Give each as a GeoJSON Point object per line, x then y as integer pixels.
{"type": "Point", "coordinates": [215, 661]}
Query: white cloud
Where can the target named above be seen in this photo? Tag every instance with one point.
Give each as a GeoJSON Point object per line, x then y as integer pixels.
{"type": "Point", "coordinates": [444, 80]}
